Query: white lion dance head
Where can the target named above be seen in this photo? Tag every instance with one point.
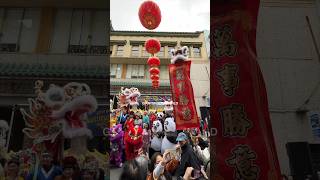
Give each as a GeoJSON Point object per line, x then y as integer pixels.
{"type": "Point", "coordinates": [78, 101]}
{"type": "Point", "coordinates": [179, 55]}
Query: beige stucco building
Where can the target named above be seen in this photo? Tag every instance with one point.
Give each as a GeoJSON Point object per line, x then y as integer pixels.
{"type": "Point", "coordinates": [128, 63]}
{"type": "Point", "coordinates": [291, 68]}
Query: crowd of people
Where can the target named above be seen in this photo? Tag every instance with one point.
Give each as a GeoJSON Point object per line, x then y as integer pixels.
{"type": "Point", "coordinates": [50, 170]}
{"type": "Point", "coordinates": [191, 162]}
{"type": "Point", "coordinates": [188, 159]}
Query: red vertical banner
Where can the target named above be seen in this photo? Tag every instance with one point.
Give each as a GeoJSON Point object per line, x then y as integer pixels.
{"type": "Point", "coordinates": [185, 112]}
{"type": "Point", "coordinates": [244, 142]}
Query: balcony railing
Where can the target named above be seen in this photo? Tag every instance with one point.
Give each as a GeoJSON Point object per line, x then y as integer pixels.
{"type": "Point", "coordinates": [9, 48]}
{"type": "Point", "coordinates": [84, 49]}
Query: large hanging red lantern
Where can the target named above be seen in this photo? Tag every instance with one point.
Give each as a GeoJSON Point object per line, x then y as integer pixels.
{"type": "Point", "coordinates": [154, 71]}
{"type": "Point", "coordinates": [150, 15]}
{"type": "Point", "coordinates": [152, 46]}
{"type": "Point", "coordinates": [153, 61]}
{"type": "Point", "coordinates": [154, 77]}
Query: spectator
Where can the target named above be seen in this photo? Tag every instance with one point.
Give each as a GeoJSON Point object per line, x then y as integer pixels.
{"type": "Point", "coordinates": [143, 162]}
{"type": "Point", "coordinates": [188, 157]}
{"type": "Point", "coordinates": [162, 168]}
{"type": "Point", "coordinates": [135, 169]}
{"type": "Point", "coordinates": [69, 167]}
{"type": "Point", "coordinates": [92, 161]}
{"type": "Point", "coordinates": [201, 148]}
{"type": "Point", "coordinates": [12, 170]}
{"type": "Point", "coordinates": [47, 170]}
{"type": "Point", "coordinates": [87, 173]}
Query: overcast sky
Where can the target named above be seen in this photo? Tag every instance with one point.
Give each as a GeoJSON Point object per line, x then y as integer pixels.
{"type": "Point", "coordinates": [177, 15]}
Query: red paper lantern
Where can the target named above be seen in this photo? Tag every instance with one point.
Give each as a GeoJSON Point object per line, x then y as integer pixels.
{"type": "Point", "coordinates": [154, 77]}
{"type": "Point", "coordinates": [155, 81]}
{"type": "Point", "coordinates": [152, 46]}
{"type": "Point", "coordinates": [155, 84]}
{"type": "Point", "coordinates": [154, 71]}
{"type": "Point", "coordinates": [150, 15]}
{"type": "Point", "coordinates": [154, 61]}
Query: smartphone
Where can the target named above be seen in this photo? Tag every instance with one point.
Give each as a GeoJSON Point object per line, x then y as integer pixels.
{"type": "Point", "coordinates": [168, 157]}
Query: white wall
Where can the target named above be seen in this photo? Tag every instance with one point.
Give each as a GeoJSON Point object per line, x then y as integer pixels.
{"type": "Point", "coordinates": [290, 67]}
{"type": "Point", "coordinates": [199, 75]}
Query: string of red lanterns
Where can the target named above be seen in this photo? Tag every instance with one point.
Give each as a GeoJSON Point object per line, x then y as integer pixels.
{"type": "Point", "coordinates": [150, 18]}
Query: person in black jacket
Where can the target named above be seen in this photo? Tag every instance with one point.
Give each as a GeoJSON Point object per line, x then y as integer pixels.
{"type": "Point", "coordinates": [188, 157]}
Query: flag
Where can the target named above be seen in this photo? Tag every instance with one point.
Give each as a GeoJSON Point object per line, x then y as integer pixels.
{"type": "Point", "coordinates": [185, 112]}
{"type": "Point", "coordinates": [244, 142]}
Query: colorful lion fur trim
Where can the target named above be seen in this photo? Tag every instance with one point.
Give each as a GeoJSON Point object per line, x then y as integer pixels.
{"type": "Point", "coordinates": [116, 138]}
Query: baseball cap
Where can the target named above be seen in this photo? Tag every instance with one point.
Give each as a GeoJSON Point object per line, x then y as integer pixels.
{"type": "Point", "coordinates": [182, 137]}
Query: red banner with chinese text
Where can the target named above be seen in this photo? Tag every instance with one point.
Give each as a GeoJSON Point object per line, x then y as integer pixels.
{"type": "Point", "coordinates": [185, 112]}
{"type": "Point", "coordinates": [245, 148]}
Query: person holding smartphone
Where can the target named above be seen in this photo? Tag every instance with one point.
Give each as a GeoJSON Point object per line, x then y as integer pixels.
{"type": "Point", "coordinates": [188, 159]}
{"type": "Point", "coordinates": [162, 166]}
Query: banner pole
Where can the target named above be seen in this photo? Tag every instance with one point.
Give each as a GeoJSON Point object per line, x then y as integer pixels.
{"type": "Point", "coordinates": [11, 124]}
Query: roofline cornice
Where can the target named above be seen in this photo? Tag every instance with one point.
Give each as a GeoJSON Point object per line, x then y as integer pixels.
{"type": "Point", "coordinates": [157, 34]}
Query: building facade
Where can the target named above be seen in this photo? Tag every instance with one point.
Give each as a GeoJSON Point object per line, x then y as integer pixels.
{"type": "Point", "coordinates": [56, 43]}
{"type": "Point", "coordinates": [128, 63]}
{"type": "Point", "coordinates": [289, 61]}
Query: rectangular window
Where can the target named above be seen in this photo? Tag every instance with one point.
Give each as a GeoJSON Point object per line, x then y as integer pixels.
{"type": "Point", "coordinates": [145, 53]}
{"type": "Point", "coordinates": [196, 52]}
{"type": "Point", "coordinates": [135, 51]}
{"type": "Point", "coordinates": [115, 71]}
{"type": "Point", "coordinates": [10, 29]}
{"type": "Point", "coordinates": [161, 52]}
{"type": "Point", "coordinates": [120, 49]}
{"type": "Point", "coordinates": [87, 30]}
{"type": "Point", "coordinates": [136, 71]}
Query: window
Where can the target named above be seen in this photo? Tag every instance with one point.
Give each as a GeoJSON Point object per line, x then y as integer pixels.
{"type": "Point", "coordinates": [79, 31]}
{"type": "Point", "coordinates": [145, 53]}
{"type": "Point", "coordinates": [115, 71]}
{"type": "Point", "coordinates": [120, 50]}
{"type": "Point", "coordinates": [135, 72]}
{"type": "Point", "coordinates": [196, 52]}
{"type": "Point", "coordinates": [135, 51]}
{"type": "Point", "coordinates": [161, 52]}
{"type": "Point", "coordinates": [19, 29]}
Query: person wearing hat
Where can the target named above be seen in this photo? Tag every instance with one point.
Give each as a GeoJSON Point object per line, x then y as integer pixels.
{"type": "Point", "coordinates": [188, 157]}
{"type": "Point", "coordinates": [47, 170]}
{"type": "Point", "coordinates": [69, 167]}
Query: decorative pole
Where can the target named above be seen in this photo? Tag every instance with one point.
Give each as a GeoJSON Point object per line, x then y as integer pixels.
{"type": "Point", "coordinates": [11, 124]}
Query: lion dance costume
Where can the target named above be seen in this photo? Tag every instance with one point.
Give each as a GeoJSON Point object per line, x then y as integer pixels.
{"type": "Point", "coordinates": [116, 140]}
